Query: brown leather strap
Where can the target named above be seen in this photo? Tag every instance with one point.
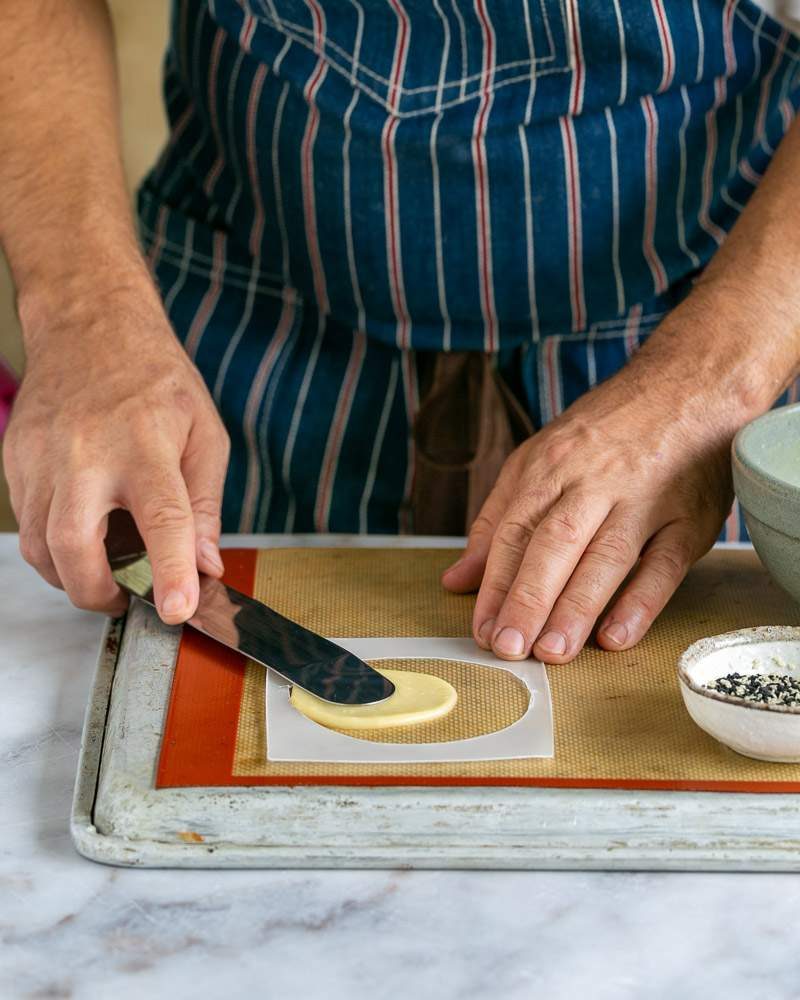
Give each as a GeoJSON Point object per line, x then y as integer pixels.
{"type": "Point", "coordinates": [469, 421]}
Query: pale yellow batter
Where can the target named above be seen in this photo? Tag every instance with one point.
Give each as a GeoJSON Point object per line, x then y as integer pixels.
{"type": "Point", "coordinates": [417, 698]}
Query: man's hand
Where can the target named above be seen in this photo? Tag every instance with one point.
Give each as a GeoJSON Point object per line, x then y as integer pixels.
{"type": "Point", "coordinates": [636, 473]}
{"type": "Point", "coordinates": [112, 413]}
{"type": "Point", "coordinates": [618, 475]}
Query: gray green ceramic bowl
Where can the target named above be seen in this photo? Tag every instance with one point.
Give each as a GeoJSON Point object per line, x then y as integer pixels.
{"type": "Point", "coordinates": [766, 477]}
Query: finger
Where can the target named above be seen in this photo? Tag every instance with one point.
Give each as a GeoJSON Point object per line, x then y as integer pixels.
{"type": "Point", "coordinates": [204, 466]}
{"type": "Point", "coordinates": [608, 559]}
{"type": "Point", "coordinates": [554, 550]}
{"type": "Point", "coordinates": [31, 508]}
{"type": "Point", "coordinates": [14, 479]}
{"type": "Point", "coordinates": [76, 529]}
{"type": "Point", "coordinates": [466, 573]}
{"type": "Point", "coordinates": [32, 519]}
{"type": "Point", "coordinates": [664, 564]}
{"type": "Point", "coordinates": [509, 543]}
{"type": "Point", "coordinates": [159, 503]}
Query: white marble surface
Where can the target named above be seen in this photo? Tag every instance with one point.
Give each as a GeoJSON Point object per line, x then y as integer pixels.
{"type": "Point", "coordinates": [70, 928]}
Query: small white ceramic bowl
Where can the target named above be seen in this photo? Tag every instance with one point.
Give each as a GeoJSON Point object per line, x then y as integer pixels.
{"type": "Point", "coordinates": [760, 731]}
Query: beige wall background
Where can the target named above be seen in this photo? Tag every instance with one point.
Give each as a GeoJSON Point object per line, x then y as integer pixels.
{"type": "Point", "coordinates": [141, 32]}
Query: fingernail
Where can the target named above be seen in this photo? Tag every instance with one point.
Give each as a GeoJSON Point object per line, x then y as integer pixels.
{"type": "Point", "coordinates": [552, 642]}
{"type": "Point", "coordinates": [485, 632]}
{"type": "Point", "coordinates": [455, 565]}
{"type": "Point", "coordinates": [616, 632]}
{"type": "Point", "coordinates": [510, 642]}
{"type": "Point", "coordinates": [174, 604]}
{"type": "Point", "coordinates": [210, 553]}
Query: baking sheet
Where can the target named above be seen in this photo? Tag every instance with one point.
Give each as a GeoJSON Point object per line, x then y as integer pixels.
{"type": "Point", "coordinates": [120, 817]}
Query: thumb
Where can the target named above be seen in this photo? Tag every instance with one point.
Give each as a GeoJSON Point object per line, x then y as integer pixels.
{"type": "Point", "coordinates": [204, 466]}
{"type": "Point", "coordinates": [466, 573]}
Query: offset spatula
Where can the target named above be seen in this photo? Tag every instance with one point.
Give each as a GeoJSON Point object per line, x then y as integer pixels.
{"type": "Point", "coordinates": [300, 656]}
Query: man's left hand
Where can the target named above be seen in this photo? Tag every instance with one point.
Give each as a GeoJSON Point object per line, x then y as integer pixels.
{"type": "Point", "coordinates": [630, 477]}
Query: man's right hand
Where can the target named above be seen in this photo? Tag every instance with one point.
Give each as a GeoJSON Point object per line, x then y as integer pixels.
{"type": "Point", "coordinates": [112, 413]}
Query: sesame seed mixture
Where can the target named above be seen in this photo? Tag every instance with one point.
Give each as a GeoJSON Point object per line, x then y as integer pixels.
{"type": "Point", "coordinates": [766, 689]}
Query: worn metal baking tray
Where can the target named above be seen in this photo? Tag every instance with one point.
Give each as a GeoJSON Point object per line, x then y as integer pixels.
{"type": "Point", "coordinates": [118, 817]}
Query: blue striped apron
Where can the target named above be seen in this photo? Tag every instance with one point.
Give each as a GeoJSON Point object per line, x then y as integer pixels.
{"type": "Point", "coordinates": [349, 183]}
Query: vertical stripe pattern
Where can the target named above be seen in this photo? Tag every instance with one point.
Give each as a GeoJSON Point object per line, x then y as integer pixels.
{"type": "Point", "coordinates": [347, 184]}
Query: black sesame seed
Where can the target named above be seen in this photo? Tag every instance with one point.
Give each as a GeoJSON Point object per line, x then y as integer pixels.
{"type": "Point", "coordinates": [767, 689]}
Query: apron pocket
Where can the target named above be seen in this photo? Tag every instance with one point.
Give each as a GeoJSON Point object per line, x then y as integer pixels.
{"type": "Point", "coordinates": [468, 423]}
{"type": "Point", "coordinates": [420, 57]}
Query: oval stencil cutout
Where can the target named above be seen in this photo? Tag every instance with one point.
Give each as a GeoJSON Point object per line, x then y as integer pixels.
{"type": "Point", "coordinates": [488, 700]}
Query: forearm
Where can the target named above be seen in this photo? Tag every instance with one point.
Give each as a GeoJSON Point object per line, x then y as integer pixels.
{"type": "Point", "coordinates": [597, 517]}
{"type": "Point", "coordinates": [739, 329]}
{"type": "Point", "coordinates": [65, 219]}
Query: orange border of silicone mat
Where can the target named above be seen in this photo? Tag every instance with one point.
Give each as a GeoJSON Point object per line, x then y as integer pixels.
{"type": "Point", "coordinates": [200, 732]}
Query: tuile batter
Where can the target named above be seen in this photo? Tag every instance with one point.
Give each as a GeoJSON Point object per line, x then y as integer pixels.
{"type": "Point", "coordinates": [417, 698]}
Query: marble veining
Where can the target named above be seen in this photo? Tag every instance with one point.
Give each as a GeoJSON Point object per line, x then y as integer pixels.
{"type": "Point", "coordinates": [70, 928]}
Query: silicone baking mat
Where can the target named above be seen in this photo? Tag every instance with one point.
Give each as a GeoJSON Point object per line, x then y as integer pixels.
{"type": "Point", "coordinates": [619, 717]}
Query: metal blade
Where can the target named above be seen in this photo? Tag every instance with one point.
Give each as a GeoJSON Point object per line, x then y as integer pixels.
{"type": "Point", "coordinates": [300, 656]}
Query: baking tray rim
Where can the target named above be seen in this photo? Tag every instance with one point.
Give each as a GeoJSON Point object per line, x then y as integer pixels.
{"type": "Point", "coordinates": [778, 851]}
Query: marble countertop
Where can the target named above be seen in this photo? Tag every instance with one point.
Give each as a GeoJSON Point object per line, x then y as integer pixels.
{"type": "Point", "coordinates": [71, 928]}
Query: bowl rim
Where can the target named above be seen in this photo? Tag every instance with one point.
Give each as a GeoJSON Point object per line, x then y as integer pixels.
{"type": "Point", "coordinates": [700, 649]}
{"type": "Point", "coordinates": [747, 466]}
